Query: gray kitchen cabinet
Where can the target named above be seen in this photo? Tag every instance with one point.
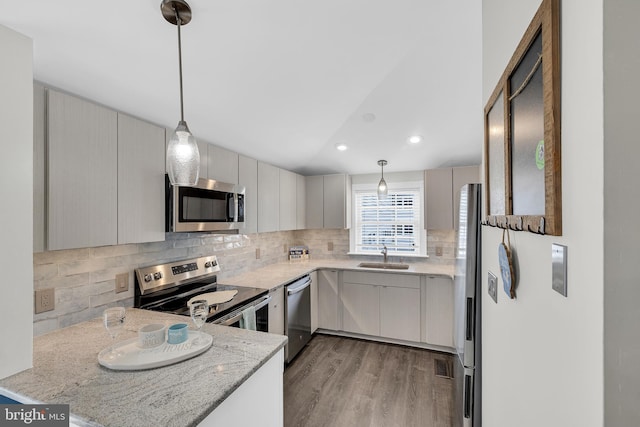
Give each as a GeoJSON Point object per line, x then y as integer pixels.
{"type": "Point", "coordinates": [39, 168]}
{"type": "Point", "coordinates": [361, 308]}
{"type": "Point", "coordinates": [82, 173]}
{"type": "Point", "coordinates": [328, 201]}
{"type": "Point", "coordinates": [439, 311]}
{"type": "Point", "coordinates": [461, 176]}
{"type": "Point", "coordinates": [337, 197]}
{"type": "Point", "coordinates": [287, 208]}
{"type": "Point", "coordinates": [314, 202]}
{"type": "Point", "coordinates": [222, 164]}
{"type": "Point", "coordinates": [400, 313]}
{"type": "Point", "coordinates": [314, 301]}
{"type": "Point", "coordinates": [248, 178]}
{"type": "Point", "coordinates": [328, 300]}
{"type": "Point", "coordinates": [382, 304]}
{"type": "Point", "coordinates": [276, 311]}
{"type": "Point", "coordinates": [141, 192]}
{"type": "Point", "coordinates": [301, 203]}
{"type": "Point", "coordinates": [442, 187]}
{"type": "Point", "coordinates": [268, 198]}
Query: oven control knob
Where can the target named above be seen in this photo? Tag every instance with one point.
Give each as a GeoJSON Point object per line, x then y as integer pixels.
{"type": "Point", "coordinates": [157, 275]}
{"type": "Point", "coordinates": [208, 264]}
{"type": "Point", "coordinates": [148, 277]}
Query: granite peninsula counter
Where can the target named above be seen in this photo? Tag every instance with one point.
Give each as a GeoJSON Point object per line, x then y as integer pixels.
{"type": "Point", "coordinates": [66, 370]}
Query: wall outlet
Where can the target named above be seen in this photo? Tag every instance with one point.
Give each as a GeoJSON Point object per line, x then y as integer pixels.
{"type": "Point", "coordinates": [122, 282]}
{"type": "Point", "coordinates": [493, 287]}
{"type": "Point", "coordinates": [330, 246]}
{"type": "Point", "coordinates": [257, 253]}
{"type": "Point", "coordinates": [44, 300]}
{"type": "Point", "coordinates": [559, 268]}
{"type": "Point", "coordinates": [438, 250]}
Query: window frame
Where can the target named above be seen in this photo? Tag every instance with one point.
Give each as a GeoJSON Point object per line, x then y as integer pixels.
{"type": "Point", "coordinates": [421, 235]}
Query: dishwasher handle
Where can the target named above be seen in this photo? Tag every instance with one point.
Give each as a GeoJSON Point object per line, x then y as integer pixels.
{"type": "Point", "coordinates": [304, 285]}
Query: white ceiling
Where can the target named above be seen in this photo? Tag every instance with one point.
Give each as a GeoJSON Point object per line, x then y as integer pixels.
{"type": "Point", "coordinates": [283, 80]}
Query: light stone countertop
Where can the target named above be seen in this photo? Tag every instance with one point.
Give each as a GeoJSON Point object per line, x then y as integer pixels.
{"type": "Point", "coordinates": [66, 370]}
{"type": "Point", "coordinates": [276, 275]}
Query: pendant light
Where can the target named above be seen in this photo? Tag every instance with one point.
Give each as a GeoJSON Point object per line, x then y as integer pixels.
{"type": "Point", "coordinates": [183, 157]}
{"type": "Point", "coordinates": [382, 185]}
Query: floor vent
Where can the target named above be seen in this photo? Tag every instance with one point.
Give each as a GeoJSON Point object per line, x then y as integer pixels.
{"type": "Point", "coordinates": [443, 368]}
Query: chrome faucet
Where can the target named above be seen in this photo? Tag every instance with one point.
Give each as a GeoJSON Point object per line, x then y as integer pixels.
{"type": "Point", "coordinates": [384, 252]}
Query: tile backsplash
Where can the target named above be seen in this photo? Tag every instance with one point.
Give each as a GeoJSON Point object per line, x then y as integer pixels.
{"type": "Point", "coordinates": [84, 279]}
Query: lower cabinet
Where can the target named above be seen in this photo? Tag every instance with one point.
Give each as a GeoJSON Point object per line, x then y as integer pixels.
{"type": "Point", "coordinates": [328, 300]}
{"type": "Point", "coordinates": [276, 311]}
{"type": "Point", "coordinates": [360, 308]}
{"type": "Point", "coordinates": [400, 313]}
{"type": "Point", "coordinates": [314, 301]}
{"type": "Point", "coordinates": [439, 311]}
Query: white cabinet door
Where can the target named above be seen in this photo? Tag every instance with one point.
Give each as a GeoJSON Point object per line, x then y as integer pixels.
{"type": "Point", "coordinates": [314, 201]}
{"type": "Point", "coordinates": [361, 308]}
{"type": "Point", "coordinates": [141, 198]}
{"type": "Point", "coordinates": [438, 199]}
{"type": "Point", "coordinates": [248, 178]}
{"type": "Point", "coordinates": [39, 159]}
{"type": "Point", "coordinates": [328, 300]}
{"type": "Point", "coordinates": [287, 211]}
{"type": "Point", "coordinates": [400, 313]}
{"type": "Point", "coordinates": [461, 176]}
{"type": "Point", "coordinates": [222, 164]}
{"type": "Point", "coordinates": [314, 301]}
{"type": "Point", "coordinates": [83, 175]}
{"type": "Point", "coordinates": [276, 311]}
{"type": "Point", "coordinates": [301, 203]}
{"type": "Point", "coordinates": [268, 198]}
{"type": "Point", "coordinates": [439, 311]}
{"type": "Point", "coordinates": [335, 201]}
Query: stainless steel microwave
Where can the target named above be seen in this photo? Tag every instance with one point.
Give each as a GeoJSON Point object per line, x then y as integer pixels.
{"type": "Point", "coordinates": [208, 206]}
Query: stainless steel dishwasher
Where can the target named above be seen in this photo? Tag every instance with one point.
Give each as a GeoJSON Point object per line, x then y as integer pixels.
{"type": "Point", "coordinates": [297, 326]}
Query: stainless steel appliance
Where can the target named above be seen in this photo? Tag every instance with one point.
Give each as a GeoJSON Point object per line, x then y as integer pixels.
{"type": "Point", "coordinates": [297, 316]}
{"type": "Point", "coordinates": [168, 287]}
{"type": "Point", "coordinates": [467, 331]}
{"type": "Point", "coordinates": [209, 206]}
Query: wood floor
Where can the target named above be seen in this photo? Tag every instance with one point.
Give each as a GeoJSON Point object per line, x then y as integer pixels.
{"type": "Point", "coordinates": [338, 381]}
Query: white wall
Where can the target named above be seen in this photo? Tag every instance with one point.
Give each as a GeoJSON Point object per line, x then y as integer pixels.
{"type": "Point", "coordinates": [16, 215]}
{"type": "Point", "coordinates": [543, 353]}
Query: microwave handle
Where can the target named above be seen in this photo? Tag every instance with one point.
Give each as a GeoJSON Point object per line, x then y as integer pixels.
{"type": "Point", "coordinates": [232, 207]}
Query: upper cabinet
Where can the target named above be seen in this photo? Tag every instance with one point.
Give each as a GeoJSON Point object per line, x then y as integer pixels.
{"type": "Point", "coordinates": [268, 198]}
{"type": "Point", "coordinates": [248, 178]}
{"type": "Point", "coordinates": [223, 164]}
{"type": "Point", "coordinates": [328, 201]}
{"type": "Point", "coordinates": [141, 162]}
{"type": "Point", "coordinates": [301, 203]}
{"type": "Point", "coordinates": [442, 187]}
{"type": "Point", "coordinates": [104, 175]}
{"type": "Point", "coordinates": [288, 194]}
{"type": "Point", "coordinates": [82, 173]}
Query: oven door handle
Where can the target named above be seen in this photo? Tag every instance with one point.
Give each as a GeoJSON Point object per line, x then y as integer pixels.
{"type": "Point", "coordinates": [237, 315]}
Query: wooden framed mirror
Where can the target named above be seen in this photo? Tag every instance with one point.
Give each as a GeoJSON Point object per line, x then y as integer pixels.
{"type": "Point", "coordinates": [522, 133]}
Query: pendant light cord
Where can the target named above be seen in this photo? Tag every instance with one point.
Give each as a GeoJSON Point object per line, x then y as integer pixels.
{"type": "Point", "coordinates": [178, 22]}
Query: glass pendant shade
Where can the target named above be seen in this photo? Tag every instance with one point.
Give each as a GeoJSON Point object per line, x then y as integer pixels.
{"type": "Point", "coordinates": [183, 157]}
{"type": "Point", "coordinates": [383, 191]}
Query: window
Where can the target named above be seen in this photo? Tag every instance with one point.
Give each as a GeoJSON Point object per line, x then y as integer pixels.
{"type": "Point", "coordinates": [395, 222]}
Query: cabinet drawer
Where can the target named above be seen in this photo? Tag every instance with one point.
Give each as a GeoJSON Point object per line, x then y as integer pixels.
{"type": "Point", "coordinates": [382, 279]}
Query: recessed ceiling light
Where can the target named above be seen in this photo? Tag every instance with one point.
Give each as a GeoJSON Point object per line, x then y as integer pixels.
{"type": "Point", "coordinates": [341, 146]}
{"type": "Point", "coordinates": [414, 139]}
{"type": "Point", "coordinates": [368, 117]}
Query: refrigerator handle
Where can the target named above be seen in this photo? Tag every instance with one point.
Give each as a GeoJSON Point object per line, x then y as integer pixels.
{"type": "Point", "coordinates": [469, 320]}
{"type": "Point", "coordinates": [468, 394]}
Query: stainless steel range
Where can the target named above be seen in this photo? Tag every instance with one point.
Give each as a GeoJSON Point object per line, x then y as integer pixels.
{"type": "Point", "coordinates": [168, 288]}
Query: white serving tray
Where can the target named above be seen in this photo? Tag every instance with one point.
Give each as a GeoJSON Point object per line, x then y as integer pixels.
{"type": "Point", "coordinates": [133, 357]}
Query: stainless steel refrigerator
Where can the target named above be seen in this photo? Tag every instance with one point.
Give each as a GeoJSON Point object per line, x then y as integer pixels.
{"type": "Point", "coordinates": [467, 303]}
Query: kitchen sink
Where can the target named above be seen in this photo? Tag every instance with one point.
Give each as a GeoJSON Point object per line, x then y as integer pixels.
{"type": "Point", "coordinates": [384, 265]}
